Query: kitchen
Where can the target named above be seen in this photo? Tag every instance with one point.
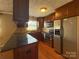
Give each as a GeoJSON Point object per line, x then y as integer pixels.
{"type": "Point", "coordinates": [19, 37]}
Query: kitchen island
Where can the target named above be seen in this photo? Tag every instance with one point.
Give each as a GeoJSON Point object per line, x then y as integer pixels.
{"type": "Point", "coordinates": [20, 46]}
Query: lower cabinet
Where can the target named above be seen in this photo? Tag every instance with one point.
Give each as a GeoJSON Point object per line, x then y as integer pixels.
{"type": "Point", "coordinates": [29, 51]}
{"type": "Point", "coordinates": [26, 52]}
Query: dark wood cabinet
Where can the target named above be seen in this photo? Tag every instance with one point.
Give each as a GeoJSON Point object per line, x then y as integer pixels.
{"type": "Point", "coordinates": [61, 12]}
{"type": "Point", "coordinates": [27, 52]}
{"type": "Point", "coordinates": [21, 10]}
{"type": "Point", "coordinates": [50, 17]}
{"type": "Point", "coordinates": [71, 9]}
{"type": "Point", "coordinates": [41, 22]}
{"type": "Point", "coordinates": [68, 10]}
{"type": "Point", "coordinates": [77, 7]}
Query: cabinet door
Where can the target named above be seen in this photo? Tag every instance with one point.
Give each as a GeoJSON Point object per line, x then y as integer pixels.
{"type": "Point", "coordinates": [21, 10]}
{"type": "Point", "coordinates": [31, 51]}
{"type": "Point", "coordinates": [41, 23]}
{"type": "Point", "coordinates": [61, 12]}
{"type": "Point", "coordinates": [77, 7]}
{"type": "Point", "coordinates": [69, 38]}
{"type": "Point", "coordinates": [53, 17]}
{"type": "Point", "coordinates": [26, 52]}
{"type": "Point", "coordinates": [71, 9]}
{"type": "Point", "coordinates": [19, 53]}
{"type": "Point", "coordinates": [35, 51]}
{"type": "Point", "coordinates": [23, 53]}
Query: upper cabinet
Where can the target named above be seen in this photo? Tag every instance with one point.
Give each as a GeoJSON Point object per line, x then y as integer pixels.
{"type": "Point", "coordinates": [50, 17]}
{"type": "Point", "coordinates": [41, 22]}
{"type": "Point", "coordinates": [21, 10]}
{"type": "Point", "coordinates": [61, 12]}
{"type": "Point", "coordinates": [77, 7]}
{"type": "Point", "coordinates": [68, 10]}
{"type": "Point", "coordinates": [71, 9]}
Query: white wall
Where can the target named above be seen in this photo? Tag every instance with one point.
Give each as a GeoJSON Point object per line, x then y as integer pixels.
{"type": "Point", "coordinates": [7, 27]}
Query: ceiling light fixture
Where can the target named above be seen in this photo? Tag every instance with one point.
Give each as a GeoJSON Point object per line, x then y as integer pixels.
{"type": "Point", "coordinates": [43, 9]}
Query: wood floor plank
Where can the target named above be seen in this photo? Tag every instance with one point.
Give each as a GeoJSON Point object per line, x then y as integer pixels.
{"type": "Point", "coordinates": [46, 52]}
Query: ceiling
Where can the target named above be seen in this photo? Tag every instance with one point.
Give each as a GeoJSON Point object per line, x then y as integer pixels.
{"type": "Point", "coordinates": [6, 6]}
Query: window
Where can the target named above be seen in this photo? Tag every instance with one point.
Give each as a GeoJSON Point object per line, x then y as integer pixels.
{"type": "Point", "coordinates": [32, 25]}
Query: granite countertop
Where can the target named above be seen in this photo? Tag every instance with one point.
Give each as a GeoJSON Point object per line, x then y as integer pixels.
{"type": "Point", "coordinates": [18, 39]}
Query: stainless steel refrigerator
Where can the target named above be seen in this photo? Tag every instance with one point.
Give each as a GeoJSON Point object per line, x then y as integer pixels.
{"type": "Point", "coordinates": [57, 36]}
{"type": "Point", "coordinates": [66, 37]}
{"type": "Point", "coordinates": [70, 37]}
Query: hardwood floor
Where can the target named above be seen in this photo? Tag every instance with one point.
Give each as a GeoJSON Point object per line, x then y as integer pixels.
{"type": "Point", "coordinates": [46, 52]}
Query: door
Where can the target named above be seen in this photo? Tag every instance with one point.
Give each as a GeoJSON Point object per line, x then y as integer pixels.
{"type": "Point", "coordinates": [70, 36]}
{"type": "Point", "coordinates": [27, 52]}
{"type": "Point", "coordinates": [57, 35]}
